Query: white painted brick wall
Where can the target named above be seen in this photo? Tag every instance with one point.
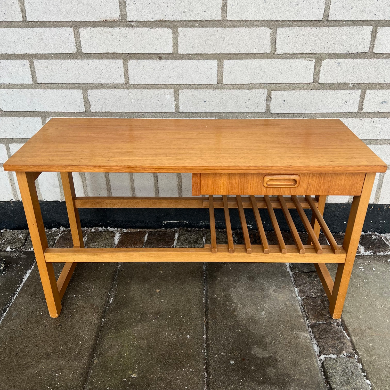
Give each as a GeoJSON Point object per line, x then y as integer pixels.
{"type": "Point", "coordinates": [79, 71]}
{"type": "Point", "coordinates": [36, 40]}
{"type": "Point", "coordinates": [268, 71]}
{"type": "Point", "coordinates": [3, 154]}
{"type": "Point", "coordinates": [15, 72]}
{"type": "Point", "coordinates": [5, 187]}
{"type": "Point", "coordinates": [359, 10]}
{"type": "Point", "coordinates": [15, 127]}
{"type": "Point", "coordinates": [120, 184]}
{"type": "Point", "coordinates": [165, 181]}
{"type": "Point", "coordinates": [49, 186]}
{"type": "Point", "coordinates": [59, 100]}
{"type": "Point", "coordinates": [135, 100]}
{"type": "Point", "coordinates": [383, 151]}
{"type": "Point", "coordinates": [96, 184]}
{"type": "Point", "coordinates": [314, 101]}
{"type": "Point", "coordinates": [377, 101]}
{"type": "Point", "coordinates": [126, 40]}
{"type": "Point", "coordinates": [144, 184]}
{"type": "Point", "coordinates": [71, 10]}
{"type": "Point", "coordinates": [172, 72]}
{"type": "Point", "coordinates": [384, 196]}
{"type": "Point", "coordinates": [224, 40]}
{"type": "Point", "coordinates": [369, 128]}
{"type": "Point", "coordinates": [205, 100]}
{"type": "Point", "coordinates": [10, 11]}
{"type": "Point", "coordinates": [355, 71]}
{"type": "Point", "coordinates": [174, 10]}
{"type": "Point", "coordinates": [323, 39]}
{"type": "Point", "coordinates": [78, 184]}
{"type": "Point", "coordinates": [382, 42]}
{"type": "Point", "coordinates": [186, 179]}
{"type": "Point", "coordinates": [275, 9]}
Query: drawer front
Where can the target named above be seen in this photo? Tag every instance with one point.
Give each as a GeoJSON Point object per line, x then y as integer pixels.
{"type": "Point", "coordinates": [270, 184]}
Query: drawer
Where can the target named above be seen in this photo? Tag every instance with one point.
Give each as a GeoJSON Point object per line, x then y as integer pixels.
{"type": "Point", "coordinates": [277, 184]}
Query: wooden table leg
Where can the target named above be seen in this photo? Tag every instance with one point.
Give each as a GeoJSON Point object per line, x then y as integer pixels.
{"type": "Point", "coordinates": [350, 244]}
{"type": "Point", "coordinates": [75, 229]}
{"type": "Point", "coordinates": [32, 209]}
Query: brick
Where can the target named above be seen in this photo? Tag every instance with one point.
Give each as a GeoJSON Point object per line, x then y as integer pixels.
{"type": "Point", "coordinates": [36, 40]}
{"type": "Point", "coordinates": [268, 71]}
{"type": "Point", "coordinates": [224, 40]}
{"type": "Point", "coordinates": [323, 39]}
{"type": "Point", "coordinates": [132, 239]}
{"type": "Point", "coordinates": [383, 151]}
{"type": "Point", "coordinates": [120, 184]}
{"type": "Point", "coordinates": [135, 100]}
{"type": "Point", "coordinates": [10, 11]}
{"type": "Point", "coordinates": [382, 43]}
{"type": "Point", "coordinates": [14, 127]}
{"type": "Point", "coordinates": [377, 101]}
{"type": "Point", "coordinates": [15, 72]}
{"type": "Point", "coordinates": [384, 197]}
{"type": "Point", "coordinates": [144, 184]}
{"type": "Point", "coordinates": [314, 101]}
{"type": "Point", "coordinates": [49, 186]}
{"type": "Point", "coordinates": [369, 128]}
{"type": "Point", "coordinates": [172, 72]}
{"type": "Point", "coordinates": [58, 100]}
{"type": "Point", "coordinates": [71, 10]}
{"type": "Point", "coordinates": [355, 71]}
{"type": "Point", "coordinates": [96, 184]}
{"type": "Point", "coordinates": [5, 187]}
{"type": "Point", "coordinates": [79, 71]}
{"type": "Point", "coordinates": [173, 10]}
{"type": "Point", "coordinates": [359, 10]}
{"type": "Point", "coordinates": [205, 100]}
{"type": "Point", "coordinates": [167, 184]}
{"type": "Point", "coordinates": [3, 154]}
{"type": "Point", "coordinates": [126, 40]}
{"type": "Point", "coordinates": [275, 9]}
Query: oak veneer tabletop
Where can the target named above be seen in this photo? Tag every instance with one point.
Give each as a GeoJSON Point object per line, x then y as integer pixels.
{"type": "Point", "coordinates": [194, 145]}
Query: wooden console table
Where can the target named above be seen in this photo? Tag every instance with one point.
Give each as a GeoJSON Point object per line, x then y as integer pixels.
{"type": "Point", "coordinates": [287, 164]}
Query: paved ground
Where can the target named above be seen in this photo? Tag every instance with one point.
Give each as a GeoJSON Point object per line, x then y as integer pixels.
{"type": "Point", "coordinates": [191, 326]}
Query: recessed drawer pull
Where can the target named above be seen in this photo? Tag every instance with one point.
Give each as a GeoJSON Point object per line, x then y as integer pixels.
{"type": "Point", "coordinates": [281, 181]}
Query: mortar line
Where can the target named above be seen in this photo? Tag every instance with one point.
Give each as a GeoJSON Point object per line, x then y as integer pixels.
{"type": "Point", "coordinates": [176, 97]}
{"type": "Point", "coordinates": [325, 16]}
{"type": "Point", "coordinates": [108, 183]}
{"type": "Point", "coordinates": [268, 100]}
{"type": "Point", "coordinates": [11, 175]}
{"type": "Point", "coordinates": [109, 299]}
{"type": "Point", "coordinates": [156, 189]}
{"type": "Point", "coordinates": [220, 71]}
{"type": "Point", "coordinates": [379, 188]}
{"type": "Point", "coordinates": [317, 70]}
{"type": "Point", "coordinates": [224, 6]}
{"type": "Point", "coordinates": [22, 7]}
{"type": "Point", "coordinates": [84, 182]}
{"type": "Point", "coordinates": [361, 100]}
{"type": "Point", "coordinates": [179, 179]}
{"type": "Point", "coordinates": [126, 72]}
{"type": "Point", "coordinates": [43, 119]}
{"type": "Point", "coordinates": [374, 33]}
{"type": "Point", "coordinates": [87, 103]}
{"type": "Point", "coordinates": [206, 367]}
{"type": "Point", "coordinates": [175, 40]}
{"type": "Point", "coordinates": [77, 39]}
{"type": "Point", "coordinates": [273, 36]}
{"type": "Point", "coordinates": [62, 196]}
{"type": "Point", "coordinates": [132, 185]}
{"type": "Point", "coordinates": [33, 71]}
{"type": "Point", "coordinates": [123, 10]}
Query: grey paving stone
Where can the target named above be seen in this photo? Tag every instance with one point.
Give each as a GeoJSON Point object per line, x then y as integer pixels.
{"type": "Point", "coordinates": [302, 267]}
{"type": "Point", "coordinates": [100, 239]}
{"type": "Point", "coordinates": [344, 373]}
{"type": "Point", "coordinates": [51, 235]}
{"type": "Point", "coordinates": [317, 309]}
{"type": "Point", "coordinates": [367, 313]}
{"type": "Point", "coordinates": [257, 338]}
{"type": "Point", "coordinates": [152, 336]}
{"type": "Point", "coordinates": [160, 239]}
{"type": "Point", "coordinates": [373, 244]}
{"type": "Point", "coordinates": [13, 268]}
{"type": "Point", "coordinates": [308, 284]}
{"type": "Point", "coordinates": [64, 240]}
{"type": "Point", "coordinates": [221, 237]}
{"type": "Point", "coordinates": [132, 239]}
{"type": "Point", "coordinates": [12, 239]}
{"type": "Point", "coordinates": [331, 339]}
{"type": "Point", "coordinates": [190, 238]}
{"type": "Point", "coordinates": [45, 353]}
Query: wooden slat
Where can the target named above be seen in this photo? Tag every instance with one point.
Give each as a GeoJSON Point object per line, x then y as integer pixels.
{"type": "Point", "coordinates": [275, 224]}
{"type": "Point", "coordinates": [259, 223]}
{"type": "Point", "coordinates": [291, 224]}
{"type": "Point", "coordinates": [64, 278]}
{"type": "Point", "coordinates": [228, 225]}
{"type": "Point", "coordinates": [193, 255]}
{"type": "Point", "coordinates": [243, 224]}
{"type": "Point", "coordinates": [326, 279]}
{"type": "Point", "coordinates": [212, 225]}
{"type": "Point", "coordinates": [307, 225]}
{"type": "Point", "coordinates": [323, 225]}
